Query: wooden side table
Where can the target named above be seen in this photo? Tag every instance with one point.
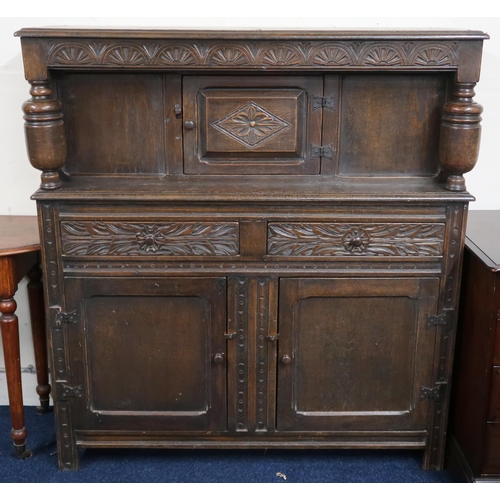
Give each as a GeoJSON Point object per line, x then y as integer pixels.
{"type": "Point", "coordinates": [474, 431]}
{"type": "Point", "coordinates": [20, 256]}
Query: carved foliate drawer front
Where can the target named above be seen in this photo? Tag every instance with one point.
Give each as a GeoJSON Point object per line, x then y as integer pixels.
{"type": "Point", "coordinates": [252, 125]}
{"type": "Point", "coordinates": [115, 238]}
{"type": "Point", "coordinates": [321, 239]}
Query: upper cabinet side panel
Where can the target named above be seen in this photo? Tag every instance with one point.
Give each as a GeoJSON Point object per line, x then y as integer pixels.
{"type": "Point", "coordinates": [114, 123]}
{"type": "Point", "coordinates": [390, 124]}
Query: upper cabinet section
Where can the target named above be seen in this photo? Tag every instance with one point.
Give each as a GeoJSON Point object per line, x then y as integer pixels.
{"type": "Point", "coordinates": [325, 104]}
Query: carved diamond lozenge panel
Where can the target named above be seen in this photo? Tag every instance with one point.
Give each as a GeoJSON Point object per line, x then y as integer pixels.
{"type": "Point", "coordinates": [251, 125]}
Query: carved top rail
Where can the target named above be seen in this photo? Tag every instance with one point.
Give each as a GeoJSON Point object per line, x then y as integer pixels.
{"type": "Point", "coordinates": [254, 50]}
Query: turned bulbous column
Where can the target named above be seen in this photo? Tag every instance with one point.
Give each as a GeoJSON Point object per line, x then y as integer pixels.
{"type": "Point", "coordinates": [44, 130]}
{"type": "Point", "coordinates": [460, 135]}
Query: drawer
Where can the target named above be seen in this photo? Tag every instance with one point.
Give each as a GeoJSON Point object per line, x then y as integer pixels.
{"type": "Point", "coordinates": [494, 407]}
{"type": "Point", "coordinates": [496, 352]}
{"type": "Point", "coordinates": [343, 239]}
{"type": "Point", "coordinates": [257, 238]}
{"type": "Point", "coordinates": [136, 238]}
{"type": "Point", "coordinates": [491, 463]}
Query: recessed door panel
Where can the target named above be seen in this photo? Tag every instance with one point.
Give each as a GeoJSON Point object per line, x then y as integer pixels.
{"type": "Point", "coordinates": [251, 125]}
{"type": "Point", "coordinates": [353, 354]}
{"type": "Point", "coordinates": [145, 349]}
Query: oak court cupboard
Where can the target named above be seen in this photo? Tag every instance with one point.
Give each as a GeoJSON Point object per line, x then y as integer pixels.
{"type": "Point", "coordinates": [251, 238]}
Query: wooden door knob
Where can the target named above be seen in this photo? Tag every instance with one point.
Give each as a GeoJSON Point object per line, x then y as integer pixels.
{"type": "Point", "coordinates": [286, 359]}
{"type": "Point", "coordinates": [189, 125]}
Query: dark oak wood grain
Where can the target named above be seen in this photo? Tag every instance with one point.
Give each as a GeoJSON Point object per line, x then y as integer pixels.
{"type": "Point", "coordinates": [474, 417]}
{"type": "Point", "coordinates": [255, 238]}
{"type": "Point", "coordinates": [378, 117]}
{"type": "Point", "coordinates": [113, 106]}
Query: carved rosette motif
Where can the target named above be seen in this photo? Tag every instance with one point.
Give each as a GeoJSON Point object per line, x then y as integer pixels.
{"type": "Point", "coordinates": [327, 239]}
{"type": "Point", "coordinates": [251, 125]}
{"type": "Point", "coordinates": [253, 54]}
{"type": "Point", "coordinates": [172, 238]}
{"type": "Point", "coordinates": [356, 240]}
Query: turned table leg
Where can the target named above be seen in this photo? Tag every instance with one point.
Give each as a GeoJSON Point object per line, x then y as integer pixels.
{"type": "Point", "coordinates": [37, 314]}
{"type": "Point", "coordinates": [10, 338]}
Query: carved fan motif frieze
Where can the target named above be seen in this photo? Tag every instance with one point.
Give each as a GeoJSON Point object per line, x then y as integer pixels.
{"type": "Point", "coordinates": [172, 238]}
{"type": "Point", "coordinates": [383, 55]}
{"type": "Point", "coordinates": [74, 54]}
{"type": "Point", "coordinates": [125, 55]}
{"type": "Point", "coordinates": [181, 56]}
{"type": "Point", "coordinates": [253, 54]}
{"type": "Point", "coordinates": [282, 56]}
{"type": "Point", "coordinates": [432, 55]}
{"type": "Point", "coordinates": [332, 56]}
{"type": "Point", "coordinates": [251, 125]}
{"type": "Point", "coordinates": [229, 56]}
{"type": "Point", "coordinates": [326, 239]}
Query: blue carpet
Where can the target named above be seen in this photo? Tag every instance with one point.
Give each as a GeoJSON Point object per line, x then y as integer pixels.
{"type": "Point", "coordinates": [204, 466]}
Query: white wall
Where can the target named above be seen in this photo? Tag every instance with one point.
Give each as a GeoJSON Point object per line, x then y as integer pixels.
{"type": "Point", "coordinates": [18, 180]}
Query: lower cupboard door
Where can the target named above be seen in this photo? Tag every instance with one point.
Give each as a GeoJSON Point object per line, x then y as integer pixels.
{"type": "Point", "coordinates": [354, 353]}
{"type": "Point", "coordinates": [147, 353]}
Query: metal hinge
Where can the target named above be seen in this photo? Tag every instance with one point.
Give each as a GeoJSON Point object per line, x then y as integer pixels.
{"type": "Point", "coordinates": [437, 392]}
{"type": "Point", "coordinates": [321, 151]}
{"type": "Point", "coordinates": [323, 102]}
{"type": "Point", "coordinates": [65, 392]}
{"type": "Point", "coordinates": [230, 335]}
{"type": "Point", "coordinates": [439, 320]}
{"type": "Point", "coordinates": [62, 317]}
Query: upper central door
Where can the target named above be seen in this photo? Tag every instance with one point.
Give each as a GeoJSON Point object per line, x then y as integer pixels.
{"type": "Point", "coordinates": [252, 125]}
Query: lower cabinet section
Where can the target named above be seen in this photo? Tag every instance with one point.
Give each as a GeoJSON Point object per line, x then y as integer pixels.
{"type": "Point", "coordinates": [245, 358]}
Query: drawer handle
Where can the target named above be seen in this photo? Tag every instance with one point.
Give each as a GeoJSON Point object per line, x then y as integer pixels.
{"type": "Point", "coordinates": [286, 359]}
{"type": "Point", "coordinates": [219, 358]}
{"type": "Point", "coordinates": [189, 125]}
{"type": "Point", "coordinates": [356, 242]}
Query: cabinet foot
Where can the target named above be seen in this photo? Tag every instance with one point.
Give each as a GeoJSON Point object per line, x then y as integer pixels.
{"type": "Point", "coordinates": [43, 408]}
{"type": "Point", "coordinates": [22, 453]}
